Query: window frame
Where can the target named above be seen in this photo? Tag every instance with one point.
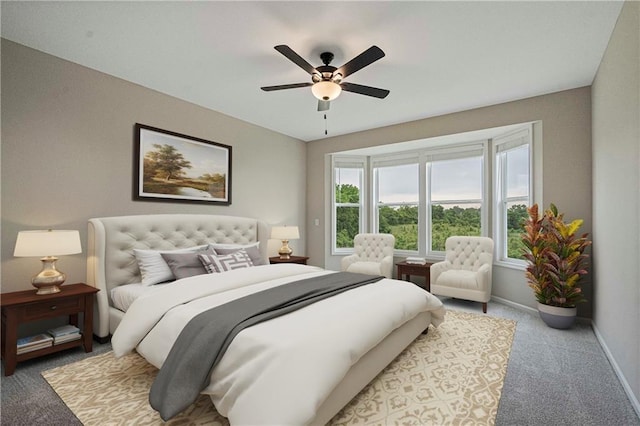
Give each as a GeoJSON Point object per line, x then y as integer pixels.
{"type": "Point", "coordinates": [500, 146]}
{"type": "Point", "coordinates": [347, 162]}
{"type": "Point", "coordinates": [479, 148]}
{"type": "Point", "coordinates": [394, 160]}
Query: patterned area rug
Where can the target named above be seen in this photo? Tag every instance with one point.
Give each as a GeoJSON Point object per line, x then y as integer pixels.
{"type": "Point", "coordinates": [452, 375]}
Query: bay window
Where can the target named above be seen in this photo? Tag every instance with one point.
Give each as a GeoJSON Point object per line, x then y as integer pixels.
{"type": "Point", "coordinates": [437, 188]}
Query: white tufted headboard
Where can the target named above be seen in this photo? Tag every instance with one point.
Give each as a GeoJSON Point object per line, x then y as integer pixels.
{"type": "Point", "coordinates": [111, 240]}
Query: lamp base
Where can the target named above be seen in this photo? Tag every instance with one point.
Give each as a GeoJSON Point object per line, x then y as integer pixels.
{"type": "Point", "coordinates": [48, 290]}
{"type": "Point", "coordinates": [48, 280]}
{"type": "Point", "coordinates": [285, 251]}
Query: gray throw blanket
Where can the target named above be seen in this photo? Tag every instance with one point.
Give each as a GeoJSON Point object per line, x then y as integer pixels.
{"type": "Point", "coordinates": [204, 340]}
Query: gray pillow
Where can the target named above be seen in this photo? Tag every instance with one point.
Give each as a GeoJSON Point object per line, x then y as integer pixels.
{"type": "Point", "coordinates": [185, 265]}
{"type": "Point", "coordinates": [253, 251]}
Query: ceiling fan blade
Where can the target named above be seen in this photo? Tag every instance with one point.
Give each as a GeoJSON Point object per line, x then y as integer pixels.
{"type": "Point", "coordinates": [295, 58]}
{"type": "Point", "coordinates": [367, 57]}
{"type": "Point", "coordinates": [323, 105]}
{"type": "Point", "coordinates": [285, 86]}
{"type": "Point", "coordinates": [364, 90]}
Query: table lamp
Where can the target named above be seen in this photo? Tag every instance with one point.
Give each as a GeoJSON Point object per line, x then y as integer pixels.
{"type": "Point", "coordinates": [285, 233]}
{"type": "Point", "coordinates": [47, 243]}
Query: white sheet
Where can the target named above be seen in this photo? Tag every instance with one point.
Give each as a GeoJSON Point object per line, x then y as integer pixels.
{"type": "Point", "coordinates": [124, 295]}
{"type": "Point", "coordinates": [280, 371]}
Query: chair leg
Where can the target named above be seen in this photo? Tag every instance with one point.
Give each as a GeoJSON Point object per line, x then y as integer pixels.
{"type": "Point", "coordinates": [484, 307]}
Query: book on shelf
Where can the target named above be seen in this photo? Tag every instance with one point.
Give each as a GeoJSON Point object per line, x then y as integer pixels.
{"type": "Point", "coordinates": [32, 343]}
{"type": "Point", "coordinates": [37, 339]}
{"type": "Point", "coordinates": [66, 338]}
{"type": "Point", "coordinates": [25, 349]}
{"type": "Point", "coordinates": [63, 330]}
{"type": "Point", "coordinates": [416, 260]}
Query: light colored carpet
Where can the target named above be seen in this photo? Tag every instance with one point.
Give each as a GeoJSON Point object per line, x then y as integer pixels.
{"type": "Point", "coordinates": [452, 375]}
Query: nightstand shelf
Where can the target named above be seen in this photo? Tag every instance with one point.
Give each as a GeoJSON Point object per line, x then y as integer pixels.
{"type": "Point", "coordinates": [25, 306]}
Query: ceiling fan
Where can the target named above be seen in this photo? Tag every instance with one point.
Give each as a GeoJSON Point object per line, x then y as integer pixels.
{"type": "Point", "coordinates": [327, 80]}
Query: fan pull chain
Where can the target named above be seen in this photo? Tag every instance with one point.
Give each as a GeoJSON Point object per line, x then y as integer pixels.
{"type": "Point", "coordinates": [325, 124]}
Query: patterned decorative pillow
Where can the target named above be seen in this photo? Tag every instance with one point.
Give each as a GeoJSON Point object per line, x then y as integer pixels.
{"type": "Point", "coordinates": [236, 260]}
{"type": "Point", "coordinates": [253, 250]}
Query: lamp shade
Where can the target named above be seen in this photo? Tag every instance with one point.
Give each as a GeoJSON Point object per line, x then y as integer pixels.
{"type": "Point", "coordinates": [285, 233]}
{"type": "Point", "coordinates": [47, 243]}
{"type": "Point", "coordinates": [326, 90]}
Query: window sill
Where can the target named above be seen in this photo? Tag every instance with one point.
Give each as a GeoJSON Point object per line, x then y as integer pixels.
{"type": "Point", "coordinates": [519, 266]}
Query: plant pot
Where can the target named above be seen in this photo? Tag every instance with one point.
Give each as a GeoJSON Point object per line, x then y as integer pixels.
{"type": "Point", "coordinates": [557, 317]}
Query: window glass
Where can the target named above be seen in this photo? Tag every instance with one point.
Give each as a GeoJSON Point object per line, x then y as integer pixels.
{"type": "Point", "coordinates": [397, 204]}
{"type": "Point", "coordinates": [456, 199]}
{"type": "Point", "coordinates": [516, 215]}
{"type": "Point", "coordinates": [517, 165]}
{"type": "Point", "coordinates": [512, 192]}
{"type": "Point", "coordinates": [348, 197]}
{"type": "Point", "coordinates": [348, 182]}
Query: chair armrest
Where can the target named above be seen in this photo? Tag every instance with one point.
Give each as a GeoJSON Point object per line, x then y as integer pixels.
{"type": "Point", "coordinates": [438, 268]}
{"type": "Point", "coordinates": [386, 266]}
{"type": "Point", "coordinates": [348, 260]}
{"type": "Point", "coordinates": [484, 277]}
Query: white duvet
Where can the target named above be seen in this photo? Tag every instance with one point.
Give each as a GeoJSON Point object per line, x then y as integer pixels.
{"type": "Point", "coordinates": [282, 370]}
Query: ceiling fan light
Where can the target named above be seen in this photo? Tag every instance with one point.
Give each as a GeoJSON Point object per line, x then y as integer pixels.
{"type": "Point", "coordinates": [326, 90]}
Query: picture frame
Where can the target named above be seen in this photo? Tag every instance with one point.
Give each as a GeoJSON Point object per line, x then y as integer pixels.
{"type": "Point", "coordinates": [173, 167]}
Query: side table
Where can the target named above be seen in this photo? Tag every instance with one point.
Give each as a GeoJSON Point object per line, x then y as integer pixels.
{"type": "Point", "coordinates": [408, 269]}
{"type": "Point", "coordinates": [292, 259]}
{"type": "Point", "coordinates": [25, 306]}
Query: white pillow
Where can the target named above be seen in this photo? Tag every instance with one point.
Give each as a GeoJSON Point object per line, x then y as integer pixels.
{"type": "Point", "coordinates": [153, 268]}
{"type": "Point", "coordinates": [228, 262]}
{"type": "Point", "coordinates": [253, 250]}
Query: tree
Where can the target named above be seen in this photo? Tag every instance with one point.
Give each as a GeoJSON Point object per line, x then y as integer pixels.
{"type": "Point", "coordinates": [347, 193]}
{"type": "Point", "coordinates": [167, 162]}
{"type": "Point", "coordinates": [347, 217]}
{"type": "Point", "coordinates": [516, 216]}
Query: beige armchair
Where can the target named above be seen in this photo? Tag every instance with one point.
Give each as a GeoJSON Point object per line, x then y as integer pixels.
{"type": "Point", "coordinates": [373, 255]}
{"type": "Point", "coordinates": [466, 271]}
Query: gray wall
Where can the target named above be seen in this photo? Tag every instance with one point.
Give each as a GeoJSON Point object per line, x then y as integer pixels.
{"type": "Point", "coordinates": [616, 198]}
{"type": "Point", "coordinates": [566, 168]}
{"type": "Point", "coordinates": [67, 156]}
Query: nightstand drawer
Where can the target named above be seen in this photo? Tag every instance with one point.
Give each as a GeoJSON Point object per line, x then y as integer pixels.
{"type": "Point", "coordinates": [53, 307]}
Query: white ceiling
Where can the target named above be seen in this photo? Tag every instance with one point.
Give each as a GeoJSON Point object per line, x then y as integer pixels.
{"type": "Point", "coordinates": [441, 57]}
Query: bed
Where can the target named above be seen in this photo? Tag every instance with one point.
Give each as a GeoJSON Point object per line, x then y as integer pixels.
{"type": "Point", "coordinates": [243, 383]}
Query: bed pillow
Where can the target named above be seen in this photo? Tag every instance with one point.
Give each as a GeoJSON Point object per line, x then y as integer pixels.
{"type": "Point", "coordinates": [185, 265]}
{"type": "Point", "coordinates": [253, 250]}
{"type": "Point", "coordinates": [236, 260]}
{"type": "Point", "coordinates": [153, 268]}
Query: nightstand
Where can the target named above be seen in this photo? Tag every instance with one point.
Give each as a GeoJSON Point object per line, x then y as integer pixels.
{"type": "Point", "coordinates": [408, 269]}
{"type": "Point", "coordinates": [25, 306]}
{"type": "Point", "coordinates": [292, 259]}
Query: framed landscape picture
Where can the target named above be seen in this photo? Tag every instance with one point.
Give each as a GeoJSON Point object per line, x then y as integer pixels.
{"type": "Point", "coordinates": [170, 166]}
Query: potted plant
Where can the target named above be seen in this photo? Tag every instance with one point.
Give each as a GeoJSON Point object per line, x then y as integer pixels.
{"type": "Point", "coordinates": [555, 263]}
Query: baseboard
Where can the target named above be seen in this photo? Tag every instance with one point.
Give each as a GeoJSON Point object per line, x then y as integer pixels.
{"type": "Point", "coordinates": [514, 304]}
{"type": "Point", "coordinates": [625, 385]}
